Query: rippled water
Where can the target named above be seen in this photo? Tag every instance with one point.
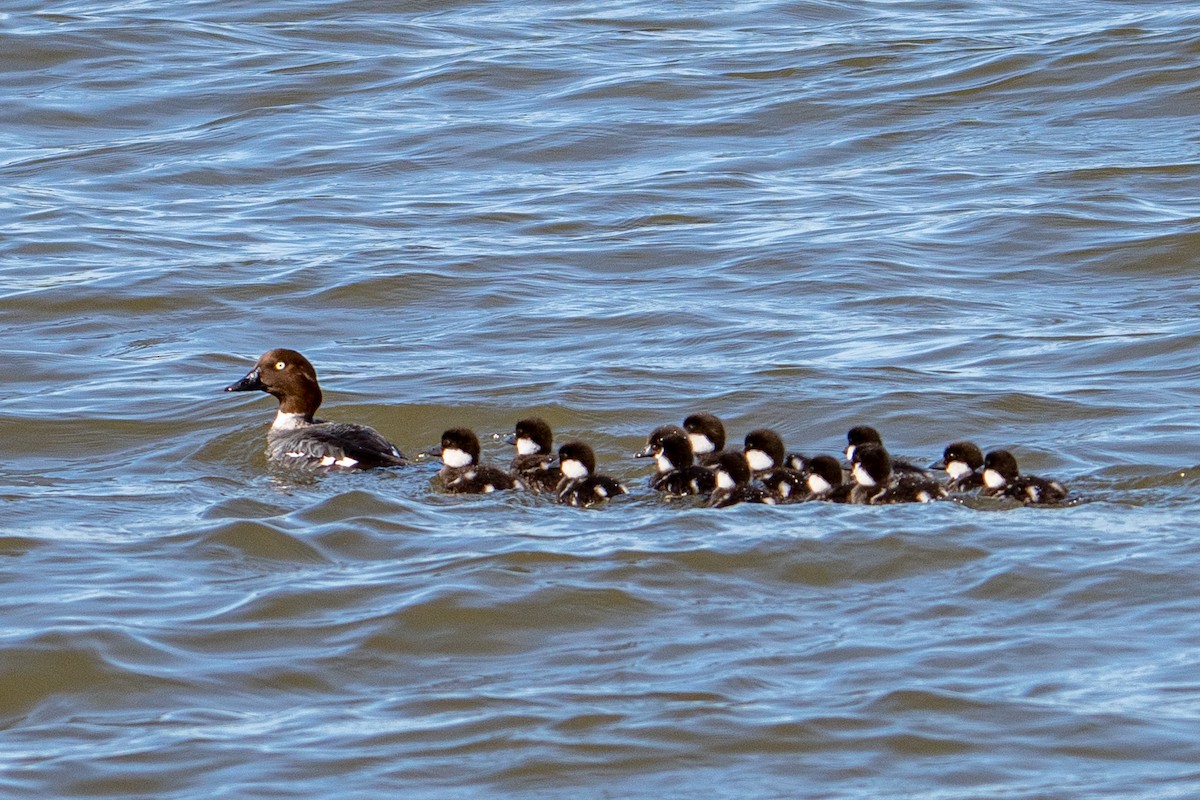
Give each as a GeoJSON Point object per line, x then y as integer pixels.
{"type": "Point", "coordinates": [949, 219]}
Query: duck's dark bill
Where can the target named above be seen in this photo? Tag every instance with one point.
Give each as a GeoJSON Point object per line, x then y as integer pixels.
{"type": "Point", "coordinates": [250, 383]}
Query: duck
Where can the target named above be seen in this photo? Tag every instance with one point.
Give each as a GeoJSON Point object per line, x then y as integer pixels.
{"type": "Point", "coordinates": [580, 485]}
{"type": "Point", "coordinates": [461, 472]}
{"type": "Point", "coordinates": [653, 444]}
{"type": "Point", "coordinates": [962, 462]}
{"type": "Point", "coordinates": [678, 473]}
{"type": "Point", "coordinates": [733, 484]}
{"type": "Point", "coordinates": [707, 435]}
{"type": "Point", "coordinates": [876, 484]}
{"type": "Point", "coordinates": [767, 457]}
{"type": "Point", "coordinates": [1002, 477]}
{"type": "Point", "coordinates": [825, 481]}
{"type": "Point", "coordinates": [296, 437]}
{"type": "Point", "coordinates": [533, 465]}
{"type": "Point", "coordinates": [865, 434]}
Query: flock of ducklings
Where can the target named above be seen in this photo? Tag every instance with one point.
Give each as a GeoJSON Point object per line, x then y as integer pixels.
{"type": "Point", "coordinates": [691, 460]}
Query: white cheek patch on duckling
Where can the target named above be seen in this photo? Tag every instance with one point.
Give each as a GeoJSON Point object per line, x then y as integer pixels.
{"type": "Point", "coordinates": [453, 457]}
{"type": "Point", "coordinates": [526, 446]}
{"type": "Point", "coordinates": [664, 464]}
{"type": "Point", "coordinates": [993, 479]}
{"type": "Point", "coordinates": [725, 480]}
{"type": "Point", "coordinates": [818, 485]}
{"type": "Point", "coordinates": [862, 477]}
{"type": "Point", "coordinates": [758, 460]}
{"type": "Point", "coordinates": [573, 469]}
{"type": "Point", "coordinates": [850, 452]}
{"type": "Point", "coordinates": [957, 469]}
{"type": "Point", "coordinates": [700, 443]}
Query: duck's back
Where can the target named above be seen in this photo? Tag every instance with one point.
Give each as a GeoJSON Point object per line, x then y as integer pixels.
{"type": "Point", "coordinates": [534, 471]}
{"type": "Point", "coordinates": [333, 444]}
{"type": "Point", "coordinates": [479, 479]}
{"type": "Point", "coordinates": [688, 480]}
{"type": "Point", "coordinates": [590, 490]}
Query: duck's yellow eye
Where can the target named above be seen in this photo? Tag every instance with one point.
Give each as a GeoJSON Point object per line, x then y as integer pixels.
{"type": "Point", "coordinates": [280, 365]}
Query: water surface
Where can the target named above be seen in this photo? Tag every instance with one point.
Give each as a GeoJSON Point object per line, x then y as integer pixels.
{"type": "Point", "coordinates": [948, 219]}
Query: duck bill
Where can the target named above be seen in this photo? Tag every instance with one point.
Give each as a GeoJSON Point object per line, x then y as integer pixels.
{"type": "Point", "coordinates": [250, 383]}
{"type": "Point", "coordinates": [645, 452]}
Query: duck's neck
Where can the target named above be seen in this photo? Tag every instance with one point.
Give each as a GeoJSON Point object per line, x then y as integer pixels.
{"type": "Point", "coordinates": [290, 421]}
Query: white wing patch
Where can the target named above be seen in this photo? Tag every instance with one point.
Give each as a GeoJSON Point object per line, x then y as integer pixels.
{"type": "Point", "coordinates": [324, 461]}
